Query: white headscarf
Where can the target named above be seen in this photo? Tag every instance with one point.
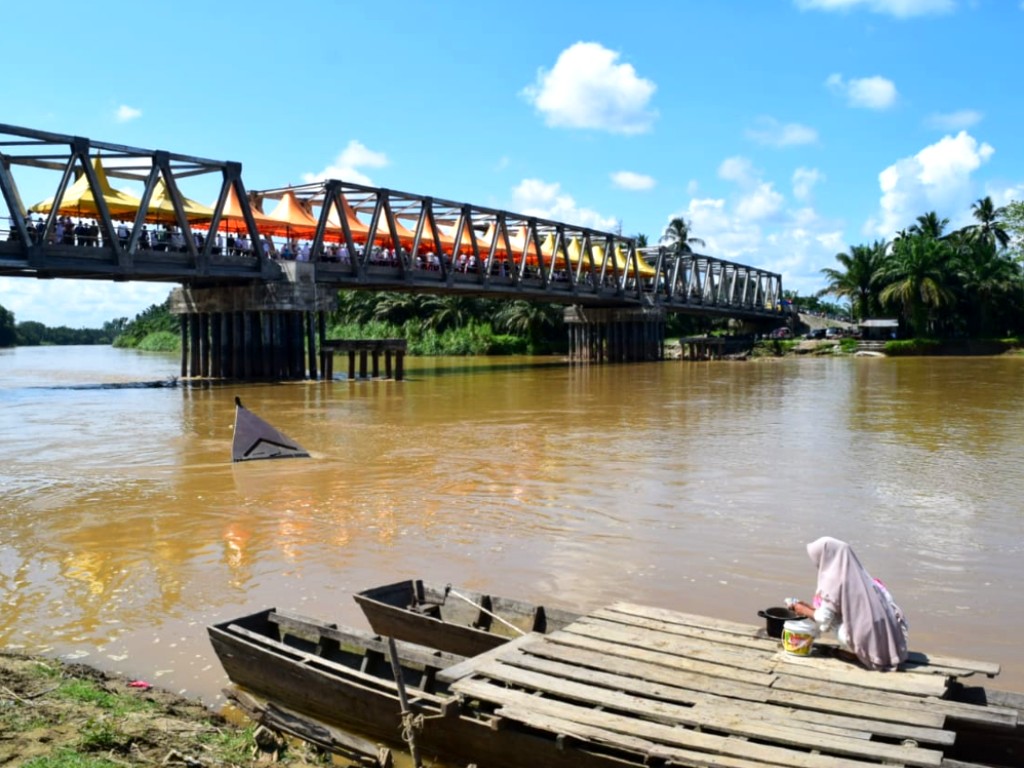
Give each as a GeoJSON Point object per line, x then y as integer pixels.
{"type": "Point", "coordinates": [871, 622]}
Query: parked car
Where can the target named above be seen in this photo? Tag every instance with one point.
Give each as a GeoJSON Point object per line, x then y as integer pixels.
{"type": "Point", "coordinates": [834, 332]}
{"type": "Point", "coordinates": [781, 333]}
{"type": "Point", "coordinates": [815, 333]}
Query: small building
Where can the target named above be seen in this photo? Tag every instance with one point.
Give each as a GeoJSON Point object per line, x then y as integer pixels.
{"type": "Point", "coordinates": [879, 329]}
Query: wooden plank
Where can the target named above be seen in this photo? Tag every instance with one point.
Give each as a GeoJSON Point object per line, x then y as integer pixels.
{"type": "Point", "coordinates": [518, 706]}
{"type": "Point", "coordinates": [469, 666]}
{"type": "Point", "coordinates": [846, 715]}
{"type": "Point", "coordinates": [918, 658]}
{"type": "Point", "coordinates": [908, 716]}
{"type": "Point", "coordinates": [596, 735]}
{"type": "Point", "coordinates": [655, 673]}
{"type": "Point", "coordinates": [665, 659]}
{"type": "Point", "coordinates": [839, 671]}
{"type": "Point", "coordinates": [711, 714]}
{"type": "Point", "coordinates": [714, 653]}
{"type": "Point", "coordinates": [1000, 717]}
{"type": "Point", "coordinates": [687, 619]}
{"type": "Point", "coordinates": [768, 645]}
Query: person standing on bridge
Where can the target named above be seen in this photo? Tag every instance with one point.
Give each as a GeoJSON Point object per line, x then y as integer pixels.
{"type": "Point", "coordinates": [866, 618]}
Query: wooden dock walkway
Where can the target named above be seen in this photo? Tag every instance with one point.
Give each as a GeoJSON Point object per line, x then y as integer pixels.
{"type": "Point", "coordinates": [677, 689]}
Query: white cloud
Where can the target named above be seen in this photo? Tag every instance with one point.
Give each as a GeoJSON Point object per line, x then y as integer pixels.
{"type": "Point", "coordinates": [936, 178]}
{"type": "Point", "coordinates": [954, 121]}
{"type": "Point", "coordinates": [770, 131]}
{"type": "Point", "coordinates": [804, 181]}
{"type": "Point", "coordinates": [124, 113]}
{"type": "Point", "coordinates": [535, 197]}
{"type": "Point", "coordinates": [77, 303]}
{"type": "Point", "coordinates": [738, 169]}
{"type": "Point", "coordinates": [632, 181]}
{"type": "Point", "coordinates": [755, 226]}
{"type": "Point", "coordinates": [345, 166]}
{"type": "Point", "coordinates": [874, 92]}
{"type": "Point", "coordinates": [760, 203]}
{"type": "Point", "coordinates": [587, 88]}
{"type": "Point", "coordinates": [900, 8]}
{"type": "Point", "coordinates": [1004, 195]}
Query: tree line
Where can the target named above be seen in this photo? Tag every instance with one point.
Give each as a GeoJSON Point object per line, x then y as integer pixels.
{"type": "Point", "coordinates": [30, 333]}
{"type": "Point", "coordinates": [938, 283]}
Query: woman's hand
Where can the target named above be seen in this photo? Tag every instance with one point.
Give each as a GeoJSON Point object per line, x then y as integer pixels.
{"type": "Point", "coordinates": [800, 608]}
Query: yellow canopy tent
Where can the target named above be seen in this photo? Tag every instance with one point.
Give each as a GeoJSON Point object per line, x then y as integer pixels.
{"type": "Point", "coordinates": [621, 262]}
{"type": "Point", "coordinates": [79, 199]}
{"type": "Point", "coordinates": [161, 210]}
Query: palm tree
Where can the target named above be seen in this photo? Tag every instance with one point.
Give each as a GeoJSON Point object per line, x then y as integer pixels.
{"type": "Point", "coordinates": [677, 236]}
{"type": "Point", "coordinates": [929, 225]}
{"type": "Point", "coordinates": [991, 283]}
{"type": "Point", "coordinates": [450, 311]}
{"type": "Point", "coordinates": [918, 278]}
{"type": "Point", "coordinates": [529, 319]}
{"type": "Point", "coordinates": [858, 280]}
{"type": "Point", "coordinates": [397, 308]}
{"type": "Point", "coordinates": [989, 227]}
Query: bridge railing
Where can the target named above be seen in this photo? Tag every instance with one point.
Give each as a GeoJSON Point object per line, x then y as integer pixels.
{"type": "Point", "coordinates": [355, 236]}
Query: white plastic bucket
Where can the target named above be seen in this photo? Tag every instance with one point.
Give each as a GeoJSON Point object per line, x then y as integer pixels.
{"type": "Point", "coordinates": [798, 636]}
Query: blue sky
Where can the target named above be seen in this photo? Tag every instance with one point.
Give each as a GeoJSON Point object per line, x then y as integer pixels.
{"type": "Point", "coordinates": [783, 130]}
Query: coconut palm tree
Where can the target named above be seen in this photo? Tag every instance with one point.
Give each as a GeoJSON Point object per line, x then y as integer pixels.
{"type": "Point", "coordinates": [991, 284]}
{"type": "Point", "coordinates": [858, 279]}
{"type": "Point", "coordinates": [677, 236]}
{"type": "Point", "coordinates": [989, 227]}
{"type": "Point", "coordinates": [918, 279]}
{"type": "Point", "coordinates": [450, 311]}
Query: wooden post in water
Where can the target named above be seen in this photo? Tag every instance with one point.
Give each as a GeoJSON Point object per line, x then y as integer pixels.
{"type": "Point", "coordinates": [183, 324]}
{"type": "Point", "coordinates": [311, 345]}
{"type": "Point", "coordinates": [351, 364]}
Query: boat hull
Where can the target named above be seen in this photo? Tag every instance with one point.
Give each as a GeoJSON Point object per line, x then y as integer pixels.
{"type": "Point", "coordinates": [332, 689]}
{"type": "Point", "coordinates": [461, 622]}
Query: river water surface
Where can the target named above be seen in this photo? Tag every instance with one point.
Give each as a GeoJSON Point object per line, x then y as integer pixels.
{"type": "Point", "coordinates": [125, 529]}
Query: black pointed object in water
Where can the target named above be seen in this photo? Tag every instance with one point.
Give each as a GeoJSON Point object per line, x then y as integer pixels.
{"type": "Point", "coordinates": [256, 439]}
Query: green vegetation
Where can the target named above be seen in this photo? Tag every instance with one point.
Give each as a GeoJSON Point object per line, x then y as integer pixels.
{"type": "Point", "coordinates": [55, 715]}
{"type": "Point", "coordinates": [157, 322]}
{"type": "Point", "coordinates": [940, 285]}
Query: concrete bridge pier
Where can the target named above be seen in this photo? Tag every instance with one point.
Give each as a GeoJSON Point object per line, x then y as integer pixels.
{"type": "Point", "coordinates": [262, 331]}
{"type": "Point", "coordinates": [615, 335]}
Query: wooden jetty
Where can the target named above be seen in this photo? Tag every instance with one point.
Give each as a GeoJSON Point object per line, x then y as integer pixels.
{"type": "Point", "coordinates": [678, 689]}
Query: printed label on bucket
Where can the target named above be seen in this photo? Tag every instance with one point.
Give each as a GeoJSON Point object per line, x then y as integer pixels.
{"type": "Point", "coordinates": [798, 643]}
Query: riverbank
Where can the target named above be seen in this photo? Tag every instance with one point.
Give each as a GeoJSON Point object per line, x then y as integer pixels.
{"type": "Point", "coordinates": [59, 715]}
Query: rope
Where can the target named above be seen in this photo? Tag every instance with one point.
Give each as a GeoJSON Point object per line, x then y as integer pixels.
{"type": "Point", "coordinates": [410, 724]}
{"type": "Point", "coordinates": [449, 590]}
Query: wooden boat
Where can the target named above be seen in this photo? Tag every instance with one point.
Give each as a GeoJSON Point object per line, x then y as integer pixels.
{"type": "Point", "coordinates": [457, 621]}
{"type": "Point", "coordinates": [621, 687]}
{"type": "Point", "coordinates": [255, 439]}
{"type": "Point", "coordinates": [341, 678]}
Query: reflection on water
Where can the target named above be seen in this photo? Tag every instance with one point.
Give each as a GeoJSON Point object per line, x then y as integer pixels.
{"type": "Point", "coordinates": [126, 528]}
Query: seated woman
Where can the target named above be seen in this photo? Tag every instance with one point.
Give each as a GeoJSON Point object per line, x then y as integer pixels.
{"type": "Point", "coordinates": [866, 618]}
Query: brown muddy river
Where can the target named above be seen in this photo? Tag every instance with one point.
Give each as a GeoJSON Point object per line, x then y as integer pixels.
{"type": "Point", "coordinates": [125, 529]}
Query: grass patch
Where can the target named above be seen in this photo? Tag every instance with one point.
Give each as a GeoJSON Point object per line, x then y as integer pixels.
{"type": "Point", "coordinates": [160, 341]}
{"type": "Point", "coordinates": [912, 347]}
{"type": "Point", "coordinates": [67, 758]}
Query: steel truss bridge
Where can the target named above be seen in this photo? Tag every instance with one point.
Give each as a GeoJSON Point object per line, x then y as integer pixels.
{"type": "Point", "coordinates": [361, 238]}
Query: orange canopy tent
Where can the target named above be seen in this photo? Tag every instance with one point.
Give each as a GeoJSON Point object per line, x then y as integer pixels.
{"type": "Point", "coordinates": [290, 219]}
{"type": "Point", "coordinates": [79, 199]}
{"type": "Point", "coordinates": [360, 231]}
{"type": "Point", "coordinates": [233, 219]}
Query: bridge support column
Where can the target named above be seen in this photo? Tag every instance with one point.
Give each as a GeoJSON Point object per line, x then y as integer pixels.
{"type": "Point", "coordinates": [254, 332]}
{"type": "Point", "coordinates": [615, 335]}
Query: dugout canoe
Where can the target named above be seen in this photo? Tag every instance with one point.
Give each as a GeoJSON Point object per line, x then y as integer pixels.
{"type": "Point", "coordinates": [458, 621]}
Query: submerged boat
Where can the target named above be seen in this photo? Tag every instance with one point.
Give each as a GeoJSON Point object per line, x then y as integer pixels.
{"type": "Point", "coordinates": [255, 439]}
{"type": "Point", "coordinates": [457, 621]}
